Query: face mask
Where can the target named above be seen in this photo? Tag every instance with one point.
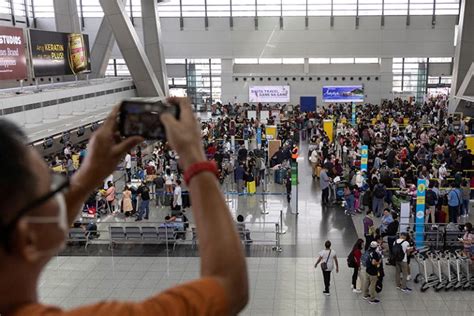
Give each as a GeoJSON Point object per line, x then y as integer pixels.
{"type": "Point", "coordinates": [61, 220]}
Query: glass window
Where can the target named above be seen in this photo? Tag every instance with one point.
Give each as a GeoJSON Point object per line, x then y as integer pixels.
{"type": "Point", "coordinates": [342, 60]}
{"type": "Point", "coordinates": [175, 61]}
{"type": "Point", "coordinates": [319, 7]}
{"type": "Point", "coordinates": [294, 7]}
{"type": "Point", "coordinates": [369, 60]}
{"type": "Point", "coordinates": [246, 61]}
{"type": "Point", "coordinates": [447, 7]}
{"type": "Point", "coordinates": [268, 7]}
{"type": "Point", "coordinates": [169, 9]}
{"type": "Point", "coordinates": [5, 7]}
{"type": "Point", "coordinates": [441, 60]}
{"type": "Point", "coordinates": [421, 7]}
{"type": "Point", "coordinates": [90, 8]}
{"type": "Point", "coordinates": [44, 8]}
{"type": "Point", "coordinates": [218, 7]}
{"type": "Point", "coordinates": [290, 61]}
{"type": "Point", "coordinates": [370, 7]}
{"type": "Point", "coordinates": [193, 8]}
{"type": "Point", "coordinates": [243, 7]}
{"type": "Point", "coordinates": [396, 7]}
{"type": "Point", "coordinates": [319, 60]}
{"type": "Point", "coordinates": [269, 60]}
{"type": "Point", "coordinates": [345, 7]}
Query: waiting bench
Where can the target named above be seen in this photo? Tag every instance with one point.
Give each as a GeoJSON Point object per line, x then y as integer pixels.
{"type": "Point", "coordinates": [142, 235]}
{"type": "Point", "coordinates": [78, 235]}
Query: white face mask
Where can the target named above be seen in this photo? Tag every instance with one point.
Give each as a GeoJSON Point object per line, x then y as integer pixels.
{"type": "Point", "coordinates": [61, 220]}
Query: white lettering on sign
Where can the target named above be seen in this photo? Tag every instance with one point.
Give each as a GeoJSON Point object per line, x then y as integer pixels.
{"type": "Point", "coordinates": [10, 40]}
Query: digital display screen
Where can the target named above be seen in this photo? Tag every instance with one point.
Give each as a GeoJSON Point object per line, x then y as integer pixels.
{"type": "Point", "coordinates": [343, 93]}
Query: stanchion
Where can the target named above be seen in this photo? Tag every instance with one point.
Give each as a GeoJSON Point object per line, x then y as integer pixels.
{"type": "Point", "coordinates": [264, 205]}
{"type": "Point", "coordinates": [281, 231]}
{"type": "Point", "coordinates": [277, 247]}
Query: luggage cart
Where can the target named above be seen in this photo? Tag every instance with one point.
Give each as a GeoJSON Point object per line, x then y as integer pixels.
{"type": "Point", "coordinates": [425, 264]}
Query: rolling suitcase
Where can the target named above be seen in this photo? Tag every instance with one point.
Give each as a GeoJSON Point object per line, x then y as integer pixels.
{"type": "Point", "coordinates": [251, 187]}
{"type": "Point", "coordinates": [279, 176]}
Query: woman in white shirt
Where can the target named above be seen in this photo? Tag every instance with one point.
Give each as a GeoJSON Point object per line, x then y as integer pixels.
{"type": "Point", "coordinates": [169, 180]}
{"type": "Point", "coordinates": [328, 258]}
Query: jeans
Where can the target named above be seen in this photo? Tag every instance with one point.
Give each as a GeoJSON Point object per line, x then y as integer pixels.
{"type": "Point", "coordinates": [144, 209]}
{"type": "Point", "coordinates": [240, 185]}
{"type": "Point", "coordinates": [327, 280]}
{"type": "Point", "coordinates": [369, 285]}
{"type": "Point", "coordinates": [465, 208]}
{"type": "Point", "coordinates": [129, 174]}
{"type": "Point", "coordinates": [350, 200]}
{"type": "Point", "coordinates": [160, 197]}
{"type": "Point", "coordinates": [453, 214]}
{"type": "Point", "coordinates": [325, 197]}
{"type": "Point", "coordinates": [403, 268]}
{"type": "Point", "coordinates": [354, 277]}
{"type": "Point", "coordinates": [377, 206]}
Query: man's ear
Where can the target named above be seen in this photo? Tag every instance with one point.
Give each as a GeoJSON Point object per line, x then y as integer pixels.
{"type": "Point", "coordinates": [25, 242]}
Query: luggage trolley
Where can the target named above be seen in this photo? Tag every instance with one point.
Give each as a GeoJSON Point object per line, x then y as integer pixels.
{"type": "Point", "coordinates": [425, 263]}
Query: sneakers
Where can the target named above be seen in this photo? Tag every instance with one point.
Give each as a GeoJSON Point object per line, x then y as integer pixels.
{"type": "Point", "coordinates": [366, 297]}
{"type": "Point", "coordinates": [398, 288]}
{"type": "Point", "coordinates": [356, 291]}
{"type": "Point", "coordinates": [374, 301]}
{"type": "Point", "coordinates": [326, 293]}
{"type": "Point", "coordinates": [406, 290]}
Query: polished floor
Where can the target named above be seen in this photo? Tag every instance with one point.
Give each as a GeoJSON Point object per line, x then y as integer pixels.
{"type": "Point", "coordinates": [283, 283]}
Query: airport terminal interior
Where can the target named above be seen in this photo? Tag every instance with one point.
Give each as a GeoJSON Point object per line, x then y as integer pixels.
{"type": "Point", "coordinates": [349, 121]}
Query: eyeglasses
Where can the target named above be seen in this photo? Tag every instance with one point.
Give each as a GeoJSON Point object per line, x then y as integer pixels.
{"type": "Point", "coordinates": [59, 183]}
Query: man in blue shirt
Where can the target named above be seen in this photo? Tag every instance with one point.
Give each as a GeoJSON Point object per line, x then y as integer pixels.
{"type": "Point", "coordinates": [454, 202]}
{"type": "Point", "coordinates": [239, 177]}
{"type": "Point", "coordinates": [386, 220]}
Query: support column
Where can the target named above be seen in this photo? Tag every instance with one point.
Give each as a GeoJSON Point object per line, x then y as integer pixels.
{"type": "Point", "coordinates": [463, 83]}
{"type": "Point", "coordinates": [227, 71]}
{"type": "Point", "coordinates": [385, 79]}
{"type": "Point", "coordinates": [131, 49]}
{"type": "Point", "coordinates": [102, 49]}
{"type": "Point", "coordinates": [153, 42]}
{"type": "Point", "coordinates": [66, 16]}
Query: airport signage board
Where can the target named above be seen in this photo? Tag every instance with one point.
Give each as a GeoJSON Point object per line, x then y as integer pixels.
{"type": "Point", "coordinates": [12, 54]}
{"type": "Point", "coordinates": [59, 54]}
{"type": "Point", "coordinates": [269, 94]}
{"type": "Point", "coordinates": [336, 94]}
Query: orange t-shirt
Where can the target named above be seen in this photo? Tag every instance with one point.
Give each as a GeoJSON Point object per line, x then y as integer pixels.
{"type": "Point", "coordinates": [201, 297]}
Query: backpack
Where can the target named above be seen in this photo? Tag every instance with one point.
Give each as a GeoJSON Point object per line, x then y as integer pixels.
{"type": "Point", "coordinates": [365, 259]}
{"type": "Point", "coordinates": [379, 191]}
{"type": "Point", "coordinates": [397, 252]}
{"type": "Point", "coordinates": [431, 198]}
{"type": "Point", "coordinates": [351, 262]}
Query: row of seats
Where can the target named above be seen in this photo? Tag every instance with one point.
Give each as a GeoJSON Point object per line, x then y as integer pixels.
{"type": "Point", "coordinates": [150, 234]}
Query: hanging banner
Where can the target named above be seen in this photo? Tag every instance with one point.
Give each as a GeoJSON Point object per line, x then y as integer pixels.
{"type": "Point", "coordinates": [420, 212]}
{"type": "Point", "coordinates": [353, 113]}
{"type": "Point", "coordinates": [364, 158]}
{"type": "Point", "coordinates": [12, 54]}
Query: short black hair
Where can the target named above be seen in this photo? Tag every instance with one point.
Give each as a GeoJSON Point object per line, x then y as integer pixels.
{"type": "Point", "coordinates": [240, 219]}
{"type": "Point", "coordinates": [327, 244]}
{"type": "Point", "coordinates": [17, 176]}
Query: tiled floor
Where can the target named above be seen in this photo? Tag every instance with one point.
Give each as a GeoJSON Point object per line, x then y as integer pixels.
{"type": "Point", "coordinates": [281, 284]}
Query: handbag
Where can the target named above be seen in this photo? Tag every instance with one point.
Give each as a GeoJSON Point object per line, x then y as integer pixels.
{"type": "Point", "coordinates": [324, 265]}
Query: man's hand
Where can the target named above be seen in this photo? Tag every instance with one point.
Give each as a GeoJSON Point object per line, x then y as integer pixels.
{"type": "Point", "coordinates": [106, 149]}
{"type": "Point", "coordinates": [184, 135]}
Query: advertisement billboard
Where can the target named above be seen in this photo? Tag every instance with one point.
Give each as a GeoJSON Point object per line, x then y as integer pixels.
{"type": "Point", "coordinates": [12, 54]}
{"type": "Point", "coordinates": [269, 94]}
{"type": "Point", "coordinates": [57, 54]}
{"type": "Point", "coordinates": [343, 93]}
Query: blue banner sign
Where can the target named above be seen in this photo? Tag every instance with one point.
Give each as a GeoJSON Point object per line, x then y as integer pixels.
{"type": "Point", "coordinates": [364, 157]}
{"type": "Point", "coordinates": [420, 212]}
{"type": "Point", "coordinates": [353, 113]}
{"type": "Point", "coordinates": [343, 93]}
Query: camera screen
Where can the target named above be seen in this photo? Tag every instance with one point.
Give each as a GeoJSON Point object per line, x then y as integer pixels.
{"type": "Point", "coordinates": [143, 119]}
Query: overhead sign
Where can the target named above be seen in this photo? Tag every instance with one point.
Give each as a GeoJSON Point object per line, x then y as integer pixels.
{"type": "Point", "coordinates": [58, 54]}
{"type": "Point", "coordinates": [420, 212]}
{"type": "Point", "coordinates": [343, 93]}
{"type": "Point", "coordinates": [269, 94]}
{"type": "Point", "coordinates": [364, 158]}
{"type": "Point", "coordinates": [12, 54]}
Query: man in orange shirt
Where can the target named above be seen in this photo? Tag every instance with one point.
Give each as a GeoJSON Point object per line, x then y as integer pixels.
{"type": "Point", "coordinates": [38, 207]}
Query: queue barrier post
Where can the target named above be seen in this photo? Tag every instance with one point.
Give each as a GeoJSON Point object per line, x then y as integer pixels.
{"type": "Point", "coordinates": [281, 231]}
{"type": "Point", "coordinates": [277, 246]}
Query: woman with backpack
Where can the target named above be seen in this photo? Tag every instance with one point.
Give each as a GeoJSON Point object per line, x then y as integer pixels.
{"type": "Point", "coordinates": [353, 261]}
